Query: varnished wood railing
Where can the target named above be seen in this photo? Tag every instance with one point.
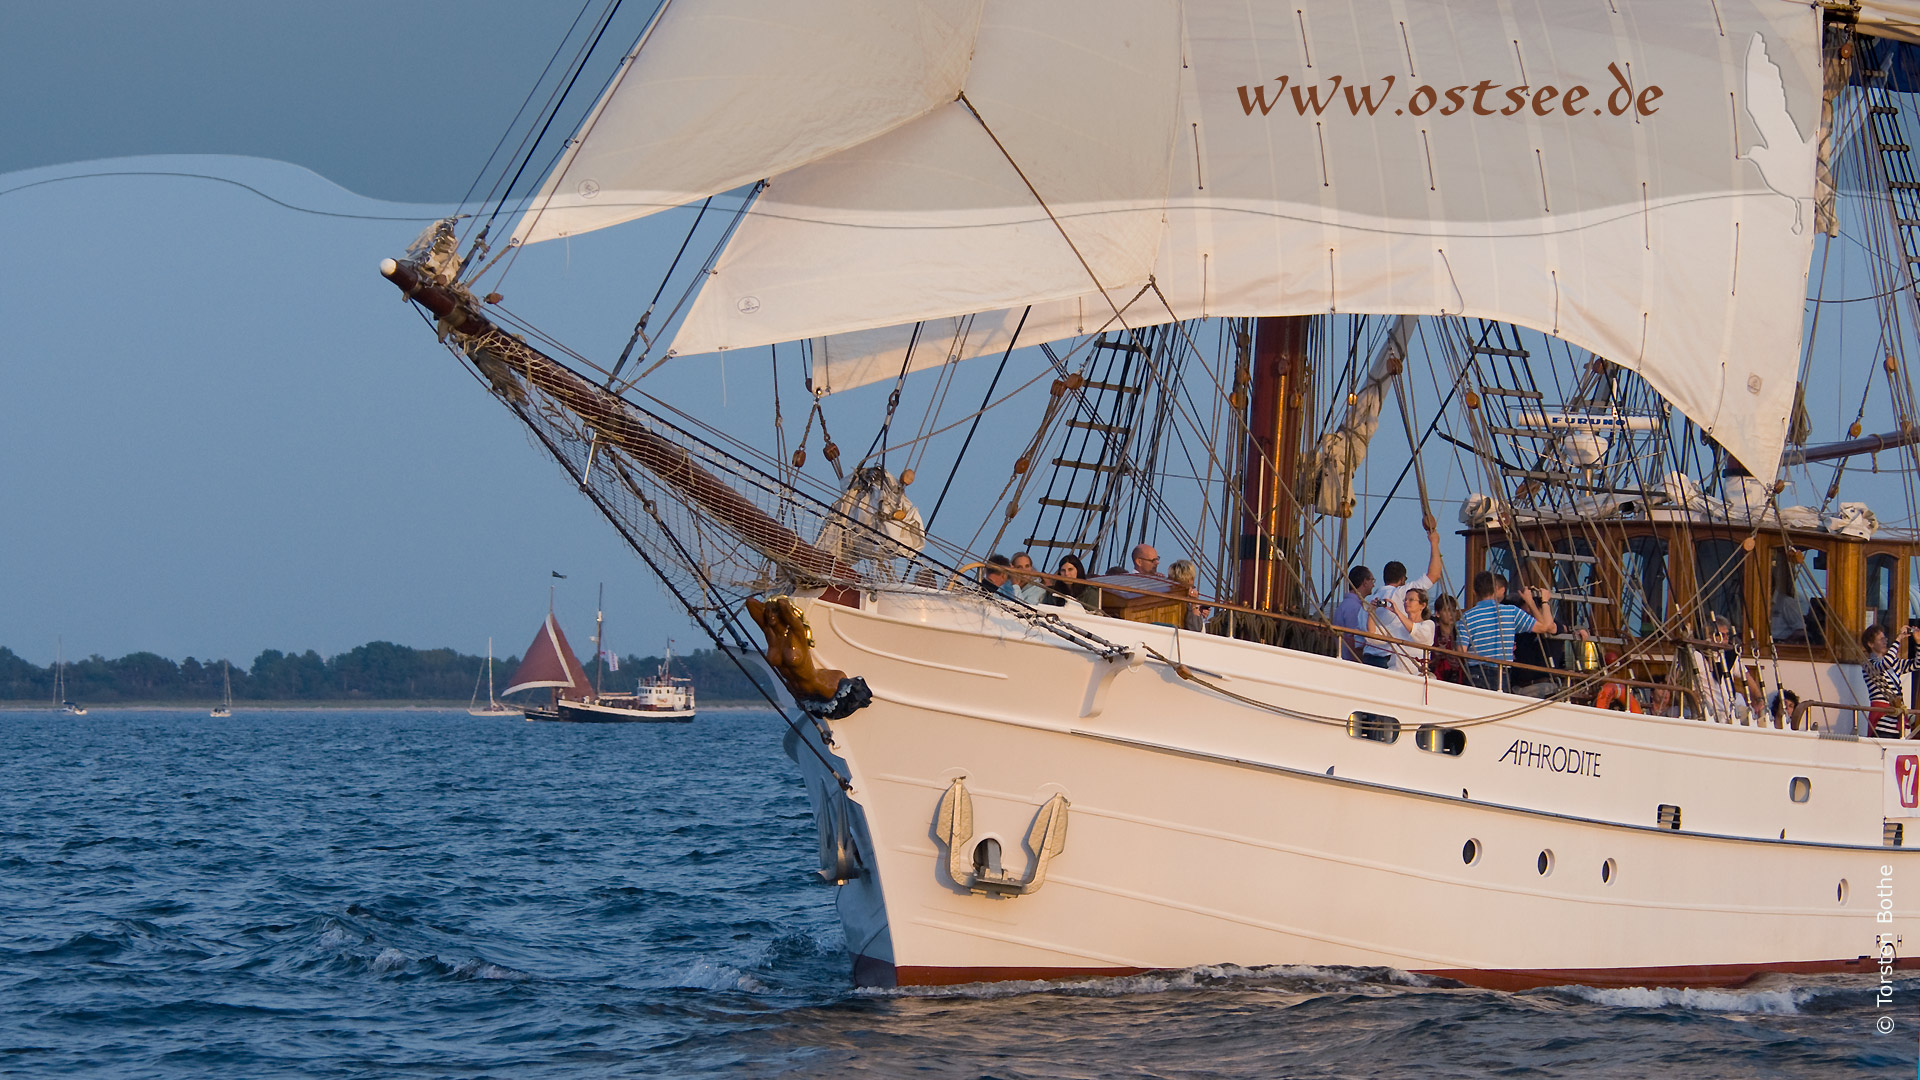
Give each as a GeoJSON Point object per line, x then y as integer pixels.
{"type": "Point", "coordinates": [961, 580]}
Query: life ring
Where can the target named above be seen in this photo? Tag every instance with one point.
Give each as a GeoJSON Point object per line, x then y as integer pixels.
{"type": "Point", "coordinates": [1617, 697]}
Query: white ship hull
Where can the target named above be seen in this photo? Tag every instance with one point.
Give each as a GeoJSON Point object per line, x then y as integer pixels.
{"type": "Point", "coordinates": [1202, 830]}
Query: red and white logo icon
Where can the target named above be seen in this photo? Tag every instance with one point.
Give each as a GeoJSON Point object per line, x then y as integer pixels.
{"type": "Point", "coordinates": [1906, 773]}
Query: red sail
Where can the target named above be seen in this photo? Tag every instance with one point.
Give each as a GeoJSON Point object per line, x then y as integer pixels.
{"type": "Point", "coordinates": [549, 662]}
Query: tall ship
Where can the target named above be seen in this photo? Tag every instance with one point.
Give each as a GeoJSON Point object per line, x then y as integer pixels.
{"type": "Point", "coordinates": [1630, 287]}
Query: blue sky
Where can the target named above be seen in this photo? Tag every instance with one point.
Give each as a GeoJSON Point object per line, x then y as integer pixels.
{"type": "Point", "coordinates": [228, 433]}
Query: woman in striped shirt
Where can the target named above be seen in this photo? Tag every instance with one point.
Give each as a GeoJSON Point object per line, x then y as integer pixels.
{"type": "Point", "coordinates": [1881, 669]}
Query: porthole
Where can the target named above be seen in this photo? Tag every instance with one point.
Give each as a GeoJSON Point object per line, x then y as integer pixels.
{"type": "Point", "coordinates": [1373, 726]}
{"type": "Point", "coordinates": [1470, 852]}
{"type": "Point", "coordinates": [986, 856]}
{"type": "Point", "coordinates": [1435, 739]}
{"type": "Point", "coordinates": [1607, 870]}
{"type": "Point", "coordinates": [1544, 863]}
{"type": "Point", "coordinates": [1799, 789]}
{"type": "Point", "coordinates": [1840, 893]}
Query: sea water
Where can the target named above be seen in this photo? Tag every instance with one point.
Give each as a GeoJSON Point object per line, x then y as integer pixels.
{"type": "Point", "coordinates": [423, 894]}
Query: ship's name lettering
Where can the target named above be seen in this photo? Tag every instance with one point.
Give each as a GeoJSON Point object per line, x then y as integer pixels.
{"type": "Point", "coordinates": [1560, 759]}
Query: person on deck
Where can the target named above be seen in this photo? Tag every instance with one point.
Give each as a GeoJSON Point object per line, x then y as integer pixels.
{"type": "Point", "coordinates": [1488, 628]}
{"type": "Point", "coordinates": [1394, 584]}
{"type": "Point", "coordinates": [1390, 598]}
{"type": "Point", "coordinates": [1728, 694]}
{"type": "Point", "coordinates": [1070, 585]}
{"type": "Point", "coordinates": [1416, 629]}
{"type": "Point", "coordinates": [1353, 614]}
{"type": "Point", "coordinates": [1184, 576]}
{"type": "Point", "coordinates": [1882, 669]}
{"type": "Point", "coordinates": [1781, 709]}
{"type": "Point", "coordinates": [995, 576]}
{"type": "Point", "coordinates": [1146, 561]}
{"type": "Point", "coordinates": [1530, 654]}
{"type": "Point", "coordinates": [1446, 635]}
{"type": "Point", "coordinates": [1026, 588]}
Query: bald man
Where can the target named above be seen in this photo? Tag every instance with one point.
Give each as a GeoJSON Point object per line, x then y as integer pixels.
{"type": "Point", "coordinates": [1146, 561]}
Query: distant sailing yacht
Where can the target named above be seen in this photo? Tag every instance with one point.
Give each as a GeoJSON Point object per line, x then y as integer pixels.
{"type": "Point", "coordinates": [225, 708]}
{"type": "Point", "coordinates": [494, 707]}
{"type": "Point", "coordinates": [60, 683]}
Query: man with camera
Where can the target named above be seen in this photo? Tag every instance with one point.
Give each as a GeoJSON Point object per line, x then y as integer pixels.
{"type": "Point", "coordinates": [1487, 629]}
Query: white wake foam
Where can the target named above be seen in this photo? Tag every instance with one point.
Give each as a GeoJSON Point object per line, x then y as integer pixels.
{"type": "Point", "coordinates": [390, 958]}
{"type": "Point", "coordinates": [480, 969]}
{"type": "Point", "coordinates": [707, 975]}
{"type": "Point", "coordinates": [1291, 977]}
{"type": "Point", "coordinates": [1785, 1002]}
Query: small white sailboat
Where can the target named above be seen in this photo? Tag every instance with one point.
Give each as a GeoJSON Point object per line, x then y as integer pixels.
{"type": "Point", "coordinates": [60, 700]}
{"type": "Point", "coordinates": [225, 708]}
{"type": "Point", "coordinates": [493, 706]}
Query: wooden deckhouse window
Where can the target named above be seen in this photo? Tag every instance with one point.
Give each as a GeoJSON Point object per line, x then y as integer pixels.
{"type": "Point", "coordinates": [1797, 608]}
{"type": "Point", "coordinates": [1501, 560]}
{"type": "Point", "coordinates": [1573, 578]}
{"type": "Point", "coordinates": [1643, 581]}
{"type": "Point", "coordinates": [1810, 577]}
{"type": "Point", "coordinates": [1913, 586]}
{"type": "Point", "coordinates": [1882, 591]}
{"type": "Point", "coordinates": [1719, 572]}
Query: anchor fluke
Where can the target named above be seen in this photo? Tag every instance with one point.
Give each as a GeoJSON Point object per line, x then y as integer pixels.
{"type": "Point", "coordinates": [953, 825]}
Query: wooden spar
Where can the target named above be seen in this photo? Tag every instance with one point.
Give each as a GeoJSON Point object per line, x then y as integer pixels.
{"type": "Point", "coordinates": [1274, 416]}
{"type": "Point", "coordinates": [605, 414]}
{"type": "Point", "coordinates": [1865, 444]}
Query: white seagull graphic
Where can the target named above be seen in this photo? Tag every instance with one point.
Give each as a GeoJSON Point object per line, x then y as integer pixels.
{"type": "Point", "coordinates": [1784, 158]}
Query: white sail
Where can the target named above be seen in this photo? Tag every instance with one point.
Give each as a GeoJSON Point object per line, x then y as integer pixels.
{"type": "Point", "coordinates": [1660, 216]}
{"type": "Point", "coordinates": [722, 93]}
{"type": "Point", "coordinates": [941, 216]}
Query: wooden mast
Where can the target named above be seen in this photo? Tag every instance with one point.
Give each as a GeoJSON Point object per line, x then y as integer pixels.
{"type": "Point", "coordinates": [1277, 413]}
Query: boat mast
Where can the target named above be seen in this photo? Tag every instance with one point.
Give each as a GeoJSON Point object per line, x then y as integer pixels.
{"type": "Point", "coordinates": [491, 704]}
{"type": "Point", "coordinates": [599, 642]}
{"type": "Point", "coordinates": [1277, 406]}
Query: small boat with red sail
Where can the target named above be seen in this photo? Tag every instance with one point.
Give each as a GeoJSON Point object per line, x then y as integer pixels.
{"type": "Point", "coordinates": [550, 664]}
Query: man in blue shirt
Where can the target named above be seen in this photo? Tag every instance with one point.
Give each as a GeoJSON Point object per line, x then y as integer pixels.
{"type": "Point", "coordinates": [1351, 614]}
{"type": "Point", "coordinates": [1488, 628]}
{"type": "Point", "coordinates": [995, 577]}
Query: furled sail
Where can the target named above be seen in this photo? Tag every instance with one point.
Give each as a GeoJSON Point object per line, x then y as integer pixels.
{"type": "Point", "coordinates": [1897, 19]}
{"type": "Point", "coordinates": [1327, 480]}
{"type": "Point", "coordinates": [1634, 177]}
{"type": "Point", "coordinates": [549, 662]}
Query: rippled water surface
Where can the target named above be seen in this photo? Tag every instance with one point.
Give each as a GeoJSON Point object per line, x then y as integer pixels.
{"type": "Point", "coordinates": [424, 894]}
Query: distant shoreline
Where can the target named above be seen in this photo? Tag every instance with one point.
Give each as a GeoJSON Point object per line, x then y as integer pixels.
{"type": "Point", "coordinates": [295, 706]}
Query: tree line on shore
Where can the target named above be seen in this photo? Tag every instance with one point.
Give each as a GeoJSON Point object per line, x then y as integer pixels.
{"type": "Point", "coordinates": [376, 671]}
